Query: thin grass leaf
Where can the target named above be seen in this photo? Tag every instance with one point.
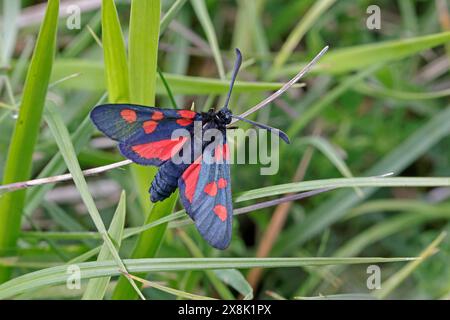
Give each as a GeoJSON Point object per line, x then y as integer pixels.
{"type": "Point", "coordinates": [116, 67]}
{"type": "Point", "coordinates": [142, 61]}
{"type": "Point", "coordinates": [65, 146]}
{"type": "Point", "coordinates": [9, 30]}
{"type": "Point", "coordinates": [143, 56]}
{"type": "Point", "coordinates": [92, 78]}
{"type": "Point", "coordinates": [203, 16]}
{"type": "Point", "coordinates": [237, 281]}
{"type": "Point", "coordinates": [408, 16]}
{"type": "Point", "coordinates": [331, 153]}
{"type": "Point", "coordinates": [294, 38]}
{"type": "Point", "coordinates": [326, 101]}
{"type": "Point", "coordinates": [377, 91]}
{"type": "Point", "coordinates": [61, 218]}
{"type": "Point", "coordinates": [175, 292]}
{"type": "Point", "coordinates": [83, 39]}
{"type": "Point", "coordinates": [413, 217]}
{"type": "Point", "coordinates": [148, 243]}
{"type": "Point", "coordinates": [96, 288]}
{"type": "Point", "coordinates": [170, 15]}
{"type": "Point", "coordinates": [168, 90]}
{"type": "Point", "coordinates": [22, 63]}
{"type": "Point", "coordinates": [343, 182]}
{"type": "Point", "coordinates": [57, 275]}
{"type": "Point", "coordinates": [218, 285]}
{"type": "Point", "coordinates": [56, 165]}
{"type": "Point", "coordinates": [19, 160]}
{"type": "Point", "coordinates": [363, 56]}
{"type": "Point", "coordinates": [143, 50]}
{"type": "Point", "coordinates": [390, 227]}
{"type": "Point", "coordinates": [395, 280]}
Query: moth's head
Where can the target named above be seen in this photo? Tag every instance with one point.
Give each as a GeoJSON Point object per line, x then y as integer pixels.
{"type": "Point", "coordinates": [224, 116]}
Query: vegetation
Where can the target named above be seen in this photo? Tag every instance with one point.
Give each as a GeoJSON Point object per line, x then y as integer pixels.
{"type": "Point", "coordinates": [371, 125]}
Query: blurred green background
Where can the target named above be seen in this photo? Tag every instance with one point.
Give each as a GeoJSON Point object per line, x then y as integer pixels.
{"type": "Point", "coordinates": [376, 103]}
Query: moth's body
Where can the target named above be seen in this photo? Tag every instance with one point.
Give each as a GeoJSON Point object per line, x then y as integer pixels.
{"type": "Point", "coordinates": [166, 180]}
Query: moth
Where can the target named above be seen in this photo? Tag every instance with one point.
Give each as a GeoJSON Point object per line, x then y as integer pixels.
{"type": "Point", "coordinates": [145, 136]}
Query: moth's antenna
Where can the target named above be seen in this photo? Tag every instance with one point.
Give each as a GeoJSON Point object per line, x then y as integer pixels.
{"type": "Point", "coordinates": [280, 133]}
{"type": "Point", "coordinates": [237, 65]}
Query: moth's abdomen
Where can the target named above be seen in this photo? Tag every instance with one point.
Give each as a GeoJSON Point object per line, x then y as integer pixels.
{"type": "Point", "coordinates": [166, 181]}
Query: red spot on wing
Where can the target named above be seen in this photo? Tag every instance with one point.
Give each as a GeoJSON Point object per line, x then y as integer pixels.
{"type": "Point", "coordinates": [226, 152]}
{"type": "Point", "coordinates": [128, 115]}
{"type": "Point", "coordinates": [188, 114]}
{"type": "Point", "coordinates": [149, 126]}
{"type": "Point", "coordinates": [157, 115]}
{"type": "Point", "coordinates": [222, 183]}
{"type": "Point", "coordinates": [162, 150]}
{"type": "Point", "coordinates": [211, 189]}
{"type": "Point", "coordinates": [190, 178]}
{"type": "Point", "coordinates": [221, 212]}
{"type": "Point", "coordinates": [184, 122]}
{"type": "Point", "coordinates": [221, 152]}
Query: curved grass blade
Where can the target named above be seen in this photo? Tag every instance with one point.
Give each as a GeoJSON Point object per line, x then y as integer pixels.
{"type": "Point", "coordinates": [58, 274]}
{"type": "Point", "coordinates": [116, 67]}
{"type": "Point", "coordinates": [65, 146]}
{"type": "Point", "coordinates": [202, 14]}
{"type": "Point", "coordinates": [316, 108]}
{"type": "Point", "coordinates": [175, 292]}
{"type": "Point", "coordinates": [236, 280]}
{"type": "Point", "coordinates": [170, 15]}
{"type": "Point", "coordinates": [331, 153]}
{"type": "Point", "coordinates": [294, 38]}
{"type": "Point", "coordinates": [363, 56]}
{"type": "Point", "coordinates": [96, 288]}
{"type": "Point", "coordinates": [395, 280]}
{"type": "Point", "coordinates": [19, 159]}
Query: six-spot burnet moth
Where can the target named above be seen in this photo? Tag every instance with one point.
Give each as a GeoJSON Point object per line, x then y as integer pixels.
{"type": "Point", "coordinates": [145, 136]}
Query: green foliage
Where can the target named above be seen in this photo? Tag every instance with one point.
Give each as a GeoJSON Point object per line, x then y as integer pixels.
{"type": "Point", "coordinates": [18, 163]}
{"type": "Point", "coordinates": [376, 103]}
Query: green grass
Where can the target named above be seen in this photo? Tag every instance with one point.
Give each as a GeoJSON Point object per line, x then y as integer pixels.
{"type": "Point", "coordinates": [18, 163]}
{"type": "Point", "coordinates": [376, 103]}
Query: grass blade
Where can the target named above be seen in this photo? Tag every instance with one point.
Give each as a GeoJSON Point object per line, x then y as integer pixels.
{"type": "Point", "coordinates": [143, 50]}
{"type": "Point", "coordinates": [395, 280]}
{"type": "Point", "coordinates": [56, 166]}
{"type": "Point", "coordinates": [92, 78]}
{"type": "Point", "coordinates": [175, 292]}
{"type": "Point", "coordinates": [96, 288]}
{"type": "Point", "coordinates": [235, 279]}
{"type": "Point", "coordinates": [363, 56]}
{"type": "Point", "coordinates": [143, 55]}
{"type": "Point", "coordinates": [203, 16]}
{"type": "Point", "coordinates": [315, 109]}
{"type": "Point", "coordinates": [335, 208]}
{"type": "Point", "coordinates": [344, 182]}
{"type": "Point", "coordinates": [58, 275]}
{"type": "Point", "coordinates": [294, 38]}
{"type": "Point", "coordinates": [65, 146]}
{"type": "Point", "coordinates": [19, 159]}
{"type": "Point", "coordinates": [170, 15]}
{"type": "Point", "coordinates": [116, 67]}
{"type": "Point", "coordinates": [11, 11]}
{"type": "Point", "coordinates": [194, 250]}
{"type": "Point", "coordinates": [331, 153]}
